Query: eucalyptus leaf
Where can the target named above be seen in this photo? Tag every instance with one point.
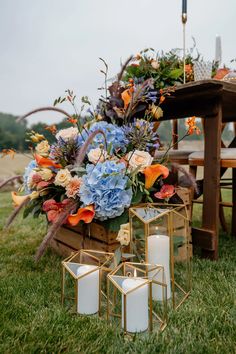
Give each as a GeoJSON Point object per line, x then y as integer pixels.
{"type": "Point", "coordinates": [114, 223]}
{"type": "Point", "coordinates": [175, 73]}
{"type": "Point", "coordinates": [137, 197]}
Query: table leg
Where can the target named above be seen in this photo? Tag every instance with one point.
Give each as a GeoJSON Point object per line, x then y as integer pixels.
{"type": "Point", "coordinates": [211, 185]}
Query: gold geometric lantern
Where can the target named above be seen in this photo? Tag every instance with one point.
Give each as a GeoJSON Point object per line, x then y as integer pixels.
{"type": "Point", "coordinates": [130, 300]}
{"type": "Point", "coordinates": [160, 234]}
{"type": "Point", "coordinates": [84, 278]}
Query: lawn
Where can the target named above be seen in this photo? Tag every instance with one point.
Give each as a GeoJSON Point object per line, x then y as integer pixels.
{"type": "Point", "coordinates": [33, 321]}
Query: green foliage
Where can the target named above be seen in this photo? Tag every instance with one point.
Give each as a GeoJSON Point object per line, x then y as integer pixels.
{"type": "Point", "coordinates": [12, 134]}
{"type": "Point", "coordinates": [114, 223]}
{"type": "Point", "coordinates": [32, 319]}
{"type": "Point", "coordinates": [169, 69]}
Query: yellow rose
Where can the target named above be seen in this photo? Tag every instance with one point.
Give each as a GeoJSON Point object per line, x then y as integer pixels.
{"type": "Point", "coordinates": [43, 148]}
{"type": "Point", "coordinates": [139, 159]}
{"type": "Point", "coordinates": [156, 111]}
{"type": "Point", "coordinates": [63, 177]}
{"type": "Point", "coordinates": [46, 174]}
{"type": "Point", "coordinates": [34, 195]}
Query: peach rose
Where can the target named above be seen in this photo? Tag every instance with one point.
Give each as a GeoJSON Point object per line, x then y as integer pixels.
{"type": "Point", "coordinates": [97, 155]}
{"type": "Point", "coordinates": [139, 159]}
{"type": "Point", "coordinates": [63, 177]}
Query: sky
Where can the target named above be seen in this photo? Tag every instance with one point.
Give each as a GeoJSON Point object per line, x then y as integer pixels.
{"type": "Point", "coordinates": [48, 46]}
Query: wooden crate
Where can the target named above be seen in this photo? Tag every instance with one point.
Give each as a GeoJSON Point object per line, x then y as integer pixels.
{"type": "Point", "coordinates": [96, 236]}
{"type": "Point", "coordinates": [70, 239]}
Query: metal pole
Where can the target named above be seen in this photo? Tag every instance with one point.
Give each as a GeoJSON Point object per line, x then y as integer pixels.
{"type": "Point", "coordinates": [184, 20]}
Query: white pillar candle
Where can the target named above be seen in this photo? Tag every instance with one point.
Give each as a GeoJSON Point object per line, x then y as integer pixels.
{"type": "Point", "coordinates": [159, 253]}
{"type": "Point", "coordinates": [88, 290]}
{"type": "Point", "coordinates": [136, 305]}
{"type": "Point", "coordinates": [218, 50]}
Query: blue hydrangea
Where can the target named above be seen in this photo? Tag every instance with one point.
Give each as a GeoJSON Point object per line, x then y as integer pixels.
{"type": "Point", "coordinates": [28, 170]}
{"type": "Point", "coordinates": [115, 137]}
{"type": "Point", "coordinates": [105, 186]}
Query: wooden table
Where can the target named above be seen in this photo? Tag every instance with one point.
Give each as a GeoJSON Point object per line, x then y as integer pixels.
{"type": "Point", "coordinates": [216, 102]}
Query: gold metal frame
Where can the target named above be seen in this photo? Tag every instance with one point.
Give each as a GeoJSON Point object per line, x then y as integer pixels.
{"type": "Point", "coordinates": [113, 288]}
{"type": "Point", "coordinates": [103, 260]}
{"type": "Point", "coordinates": [169, 212]}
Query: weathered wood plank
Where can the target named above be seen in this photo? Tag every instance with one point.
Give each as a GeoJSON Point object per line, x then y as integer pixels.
{"type": "Point", "coordinates": [203, 238]}
{"type": "Point", "coordinates": [195, 98]}
{"type": "Point", "coordinates": [211, 185]}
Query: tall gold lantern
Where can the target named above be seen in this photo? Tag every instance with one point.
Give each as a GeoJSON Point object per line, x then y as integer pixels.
{"type": "Point", "coordinates": [160, 234]}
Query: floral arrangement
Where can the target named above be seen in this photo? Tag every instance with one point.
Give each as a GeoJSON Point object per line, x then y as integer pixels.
{"type": "Point", "coordinates": [97, 168]}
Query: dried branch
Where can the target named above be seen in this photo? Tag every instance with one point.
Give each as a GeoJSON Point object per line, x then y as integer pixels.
{"type": "Point", "coordinates": [53, 228]}
{"type": "Point", "coordinates": [19, 119]}
{"type": "Point", "coordinates": [119, 77]}
{"type": "Point", "coordinates": [16, 212]}
{"type": "Point", "coordinates": [9, 180]}
{"type": "Point", "coordinates": [189, 179]}
{"type": "Point", "coordinates": [83, 149]}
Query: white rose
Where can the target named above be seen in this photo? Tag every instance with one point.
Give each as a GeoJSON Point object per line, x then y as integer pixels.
{"type": "Point", "coordinates": [43, 148]}
{"type": "Point", "coordinates": [46, 174]}
{"type": "Point", "coordinates": [63, 177]}
{"type": "Point", "coordinates": [97, 155]}
{"type": "Point", "coordinates": [139, 159]}
{"type": "Point", "coordinates": [67, 134]}
{"type": "Point", "coordinates": [124, 235]}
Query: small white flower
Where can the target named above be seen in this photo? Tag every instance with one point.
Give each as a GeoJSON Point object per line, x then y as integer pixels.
{"type": "Point", "coordinates": [97, 155]}
{"type": "Point", "coordinates": [63, 177]}
{"type": "Point", "coordinates": [139, 159]}
{"type": "Point", "coordinates": [67, 134]}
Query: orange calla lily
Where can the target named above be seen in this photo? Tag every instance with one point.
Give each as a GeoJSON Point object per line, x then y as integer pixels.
{"type": "Point", "coordinates": [126, 96]}
{"type": "Point", "coordinates": [153, 172]}
{"type": "Point", "coordinates": [86, 214]}
{"type": "Point", "coordinates": [45, 162]}
{"type": "Point", "coordinates": [18, 199]}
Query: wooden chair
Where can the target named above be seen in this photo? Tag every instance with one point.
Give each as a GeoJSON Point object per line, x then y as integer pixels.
{"type": "Point", "coordinates": [228, 160]}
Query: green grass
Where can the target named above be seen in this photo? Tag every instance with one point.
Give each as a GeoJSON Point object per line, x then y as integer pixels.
{"type": "Point", "coordinates": [33, 321]}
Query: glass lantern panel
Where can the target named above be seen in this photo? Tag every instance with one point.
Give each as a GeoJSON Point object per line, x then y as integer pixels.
{"type": "Point", "coordinates": [148, 213]}
{"type": "Point", "coordinates": [73, 267]}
